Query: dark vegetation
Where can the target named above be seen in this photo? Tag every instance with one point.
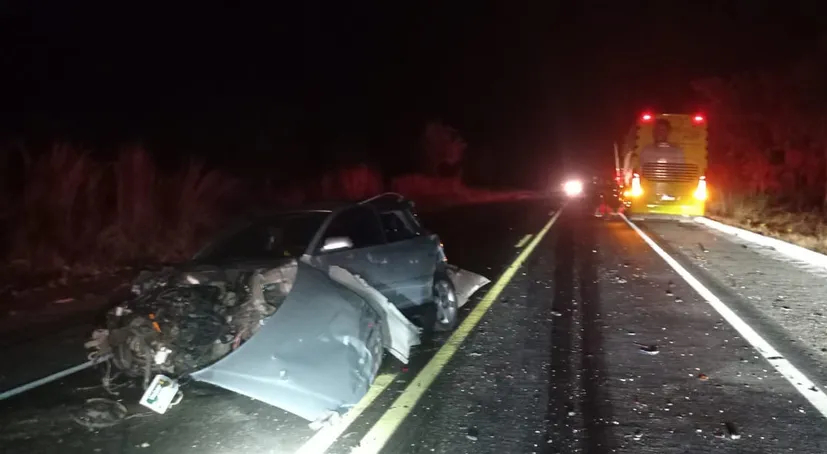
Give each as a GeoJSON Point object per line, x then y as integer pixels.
{"type": "Point", "coordinates": [67, 212]}
{"type": "Point", "coordinates": [768, 149]}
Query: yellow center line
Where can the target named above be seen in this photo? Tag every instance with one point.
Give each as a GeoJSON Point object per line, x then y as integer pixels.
{"type": "Point", "coordinates": [389, 422]}
{"type": "Point", "coordinates": [326, 436]}
{"type": "Point", "coordinates": [523, 241]}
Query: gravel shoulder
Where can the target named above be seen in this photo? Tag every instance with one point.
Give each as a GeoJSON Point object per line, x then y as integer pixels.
{"type": "Point", "coordinates": [788, 296]}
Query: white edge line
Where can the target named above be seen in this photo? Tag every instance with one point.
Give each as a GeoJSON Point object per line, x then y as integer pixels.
{"type": "Point", "coordinates": [322, 440]}
{"type": "Point", "coordinates": [53, 377]}
{"type": "Point", "coordinates": [790, 250]}
{"type": "Point", "coordinates": [800, 382]}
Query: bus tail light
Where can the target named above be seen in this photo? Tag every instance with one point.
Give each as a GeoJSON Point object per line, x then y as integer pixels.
{"type": "Point", "coordinates": [637, 190]}
{"type": "Point", "coordinates": [700, 191]}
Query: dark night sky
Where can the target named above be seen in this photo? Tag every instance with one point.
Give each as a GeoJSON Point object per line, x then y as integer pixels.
{"type": "Point", "coordinates": [525, 82]}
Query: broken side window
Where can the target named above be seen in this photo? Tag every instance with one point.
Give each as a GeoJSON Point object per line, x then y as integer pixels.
{"type": "Point", "coordinates": [248, 243]}
{"type": "Point", "coordinates": [396, 229]}
{"type": "Point", "coordinates": [276, 237]}
{"type": "Point", "coordinates": [360, 224]}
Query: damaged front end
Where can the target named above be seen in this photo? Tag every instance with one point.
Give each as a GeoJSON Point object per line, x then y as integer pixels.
{"type": "Point", "coordinates": [182, 320]}
{"type": "Point", "coordinates": [292, 336]}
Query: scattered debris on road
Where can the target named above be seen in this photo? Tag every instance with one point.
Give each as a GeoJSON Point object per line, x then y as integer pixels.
{"type": "Point", "coordinates": [98, 413]}
{"type": "Point", "coordinates": [648, 349]}
{"type": "Point", "coordinates": [732, 430]}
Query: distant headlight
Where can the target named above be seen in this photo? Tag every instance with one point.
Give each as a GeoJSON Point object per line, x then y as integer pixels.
{"type": "Point", "coordinates": [573, 188]}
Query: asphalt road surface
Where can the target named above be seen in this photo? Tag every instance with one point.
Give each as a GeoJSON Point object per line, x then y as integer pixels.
{"type": "Point", "coordinates": [590, 342]}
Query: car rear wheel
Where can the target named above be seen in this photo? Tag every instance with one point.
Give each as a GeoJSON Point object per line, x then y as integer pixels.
{"type": "Point", "coordinates": [445, 300]}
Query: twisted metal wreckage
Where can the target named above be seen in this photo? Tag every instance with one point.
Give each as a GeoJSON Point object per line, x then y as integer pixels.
{"type": "Point", "coordinates": [299, 337]}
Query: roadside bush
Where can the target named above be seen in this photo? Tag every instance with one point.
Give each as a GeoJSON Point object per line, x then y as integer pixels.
{"type": "Point", "coordinates": [768, 149]}
{"type": "Point", "coordinates": [75, 211]}
{"type": "Point", "coordinates": [354, 183]}
{"type": "Point", "coordinates": [76, 215]}
{"type": "Point", "coordinates": [758, 214]}
{"type": "Point", "coordinates": [58, 212]}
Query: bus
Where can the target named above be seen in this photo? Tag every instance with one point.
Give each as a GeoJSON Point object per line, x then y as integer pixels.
{"type": "Point", "coordinates": [664, 165]}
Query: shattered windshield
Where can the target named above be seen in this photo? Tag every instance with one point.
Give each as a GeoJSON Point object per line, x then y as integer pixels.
{"type": "Point", "coordinates": [282, 236]}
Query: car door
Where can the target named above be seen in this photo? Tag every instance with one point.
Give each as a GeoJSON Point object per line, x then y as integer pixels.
{"type": "Point", "coordinates": [411, 256]}
{"type": "Point", "coordinates": [317, 354]}
{"type": "Point", "coordinates": [362, 254]}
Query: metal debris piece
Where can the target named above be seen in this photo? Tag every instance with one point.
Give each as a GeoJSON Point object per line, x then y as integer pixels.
{"type": "Point", "coordinates": [648, 349]}
{"type": "Point", "coordinates": [466, 283]}
{"type": "Point", "coordinates": [732, 430]}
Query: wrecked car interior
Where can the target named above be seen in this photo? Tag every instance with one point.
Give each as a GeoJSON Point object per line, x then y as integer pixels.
{"type": "Point", "coordinates": [295, 311]}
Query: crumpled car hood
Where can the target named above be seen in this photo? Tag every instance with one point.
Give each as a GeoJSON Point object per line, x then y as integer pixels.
{"type": "Point", "coordinates": [321, 350]}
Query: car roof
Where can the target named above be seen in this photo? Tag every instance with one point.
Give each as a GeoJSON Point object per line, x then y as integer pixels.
{"type": "Point", "coordinates": [387, 201]}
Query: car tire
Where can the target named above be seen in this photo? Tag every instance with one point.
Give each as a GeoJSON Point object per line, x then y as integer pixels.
{"type": "Point", "coordinates": [445, 304]}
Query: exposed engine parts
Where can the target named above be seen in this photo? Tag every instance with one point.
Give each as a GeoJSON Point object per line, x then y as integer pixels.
{"type": "Point", "coordinates": [179, 321]}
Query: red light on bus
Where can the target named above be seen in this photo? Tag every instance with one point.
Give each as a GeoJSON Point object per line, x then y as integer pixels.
{"type": "Point", "coordinates": [698, 118]}
{"type": "Point", "coordinates": [646, 117]}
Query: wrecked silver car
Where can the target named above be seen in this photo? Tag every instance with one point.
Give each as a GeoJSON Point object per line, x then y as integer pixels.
{"type": "Point", "coordinates": [293, 309]}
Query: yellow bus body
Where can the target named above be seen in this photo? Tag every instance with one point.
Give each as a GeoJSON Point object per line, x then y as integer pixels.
{"type": "Point", "coordinates": [666, 188]}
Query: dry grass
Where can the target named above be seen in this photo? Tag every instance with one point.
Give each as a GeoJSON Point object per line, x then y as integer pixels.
{"type": "Point", "coordinates": [355, 183]}
{"type": "Point", "coordinates": [79, 216]}
{"type": "Point", "coordinates": [808, 230]}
